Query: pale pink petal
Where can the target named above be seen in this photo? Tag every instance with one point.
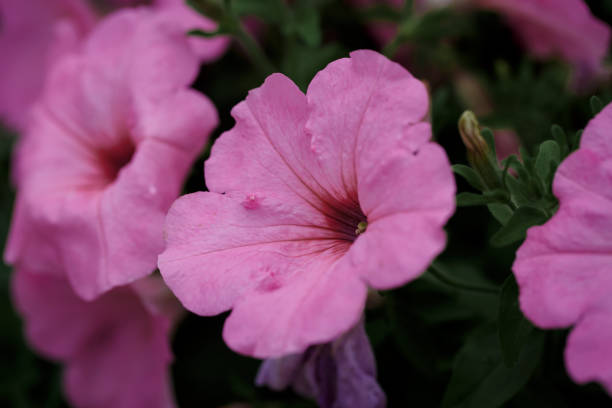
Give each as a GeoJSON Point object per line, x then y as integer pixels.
{"type": "Point", "coordinates": [588, 355]}
{"type": "Point", "coordinates": [596, 136]}
{"type": "Point", "coordinates": [116, 353]}
{"type": "Point", "coordinates": [322, 300]}
{"type": "Point", "coordinates": [397, 249]}
{"type": "Point", "coordinates": [363, 108]}
{"type": "Point", "coordinates": [207, 49]}
{"type": "Point", "coordinates": [226, 234]}
{"type": "Point", "coordinates": [268, 149]}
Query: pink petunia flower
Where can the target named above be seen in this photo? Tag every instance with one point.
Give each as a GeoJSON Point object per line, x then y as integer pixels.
{"type": "Point", "coordinates": [115, 349]}
{"type": "Point", "coordinates": [110, 143]}
{"type": "Point", "coordinates": [34, 34]}
{"type": "Point", "coordinates": [313, 199]}
{"type": "Point", "coordinates": [340, 374]}
{"type": "Point", "coordinates": [558, 28]}
{"type": "Point", "coordinates": [563, 268]}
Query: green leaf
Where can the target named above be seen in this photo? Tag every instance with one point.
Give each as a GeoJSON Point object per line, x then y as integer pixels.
{"type": "Point", "coordinates": [596, 105]}
{"type": "Point", "coordinates": [513, 161]}
{"type": "Point", "coordinates": [548, 159]}
{"type": "Point", "coordinates": [575, 140]}
{"type": "Point", "coordinates": [306, 23]}
{"type": "Point", "coordinates": [501, 212]}
{"type": "Point", "coordinates": [471, 199]}
{"type": "Point", "coordinates": [270, 11]}
{"type": "Point", "coordinates": [518, 191]}
{"type": "Point", "coordinates": [561, 138]}
{"type": "Point", "coordinates": [470, 176]}
{"type": "Point", "coordinates": [516, 228]}
{"type": "Point", "coordinates": [481, 379]}
{"type": "Point", "coordinates": [513, 328]}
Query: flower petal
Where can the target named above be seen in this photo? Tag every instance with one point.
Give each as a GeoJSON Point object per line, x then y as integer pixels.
{"type": "Point", "coordinates": [360, 109]}
{"type": "Point", "coordinates": [116, 353]}
{"type": "Point", "coordinates": [588, 354]}
{"type": "Point", "coordinates": [221, 246]}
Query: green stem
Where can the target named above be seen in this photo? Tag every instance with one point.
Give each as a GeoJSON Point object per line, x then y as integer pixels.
{"type": "Point", "coordinates": [439, 273]}
{"type": "Point", "coordinates": [253, 50]}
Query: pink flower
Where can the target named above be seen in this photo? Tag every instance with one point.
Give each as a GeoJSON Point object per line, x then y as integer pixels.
{"type": "Point", "coordinates": [563, 268]}
{"type": "Point", "coordinates": [110, 143]}
{"type": "Point", "coordinates": [506, 143]}
{"type": "Point", "coordinates": [340, 374]}
{"type": "Point", "coordinates": [115, 350]}
{"type": "Point", "coordinates": [281, 238]}
{"type": "Point", "coordinates": [34, 34]}
{"type": "Point", "coordinates": [558, 28]}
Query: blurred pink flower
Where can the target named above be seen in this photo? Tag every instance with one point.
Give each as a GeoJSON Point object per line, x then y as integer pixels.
{"type": "Point", "coordinates": [547, 28]}
{"type": "Point", "coordinates": [558, 28]}
{"type": "Point", "coordinates": [116, 351]}
{"type": "Point", "coordinates": [107, 151]}
{"type": "Point", "coordinates": [506, 143]}
{"type": "Point", "coordinates": [281, 238]}
{"type": "Point", "coordinates": [563, 268]}
{"type": "Point", "coordinates": [34, 34]}
{"type": "Point", "coordinates": [339, 374]}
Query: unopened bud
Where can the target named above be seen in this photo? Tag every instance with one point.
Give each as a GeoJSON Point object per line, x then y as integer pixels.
{"type": "Point", "coordinates": [478, 152]}
{"type": "Point", "coordinates": [469, 129]}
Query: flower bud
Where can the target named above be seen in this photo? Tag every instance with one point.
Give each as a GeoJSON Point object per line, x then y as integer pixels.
{"type": "Point", "coordinates": [479, 154]}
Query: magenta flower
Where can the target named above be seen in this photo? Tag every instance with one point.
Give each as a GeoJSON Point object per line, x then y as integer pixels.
{"type": "Point", "coordinates": [116, 351]}
{"type": "Point", "coordinates": [558, 28]}
{"type": "Point", "coordinates": [313, 199]}
{"type": "Point", "coordinates": [34, 34]}
{"type": "Point", "coordinates": [340, 374]}
{"type": "Point", "coordinates": [110, 143]}
{"type": "Point", "coordinates": [563, 268]}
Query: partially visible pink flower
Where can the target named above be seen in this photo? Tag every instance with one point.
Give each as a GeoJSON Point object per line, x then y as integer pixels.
{"type": "Point", "coordinates": [506, 143]}
{"type": "Point", "coordinates": [116, 352]}
{"type": "Point", "coordinates": [558, 28]}
{"type": "Point", "coordinates": [107, 151]}
{"type": "Point", "coordinates": [206, 49]}
{"type": "Point", "coordinates": [340, 374]}
{"type": "Point", "coordinates": [33, 34]}
{"type": "Point", "coordinates": [313, 199]}
{"type": "Point", "coordinates": [563, 268]}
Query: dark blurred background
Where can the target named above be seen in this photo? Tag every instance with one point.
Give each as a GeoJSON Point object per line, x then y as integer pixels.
{"type": "Point", "coordinates": [425, 331]}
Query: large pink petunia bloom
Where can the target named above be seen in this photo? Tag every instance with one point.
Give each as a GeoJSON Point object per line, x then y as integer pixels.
{"type": "Point", "coordinates": [281, 238]}
{"type": "Point", "coordinates": [110, 143]}
{"type": "Point", "coordinates": [116, 349]}
{"type": "Point", "coordinates": [340, 374]}
{"type": "Point", "coordinates": [563, 268]}
{"type": "Point", "coordinates": [34, 34]}
{"type": "Point", "coordinates": [558, 28]}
